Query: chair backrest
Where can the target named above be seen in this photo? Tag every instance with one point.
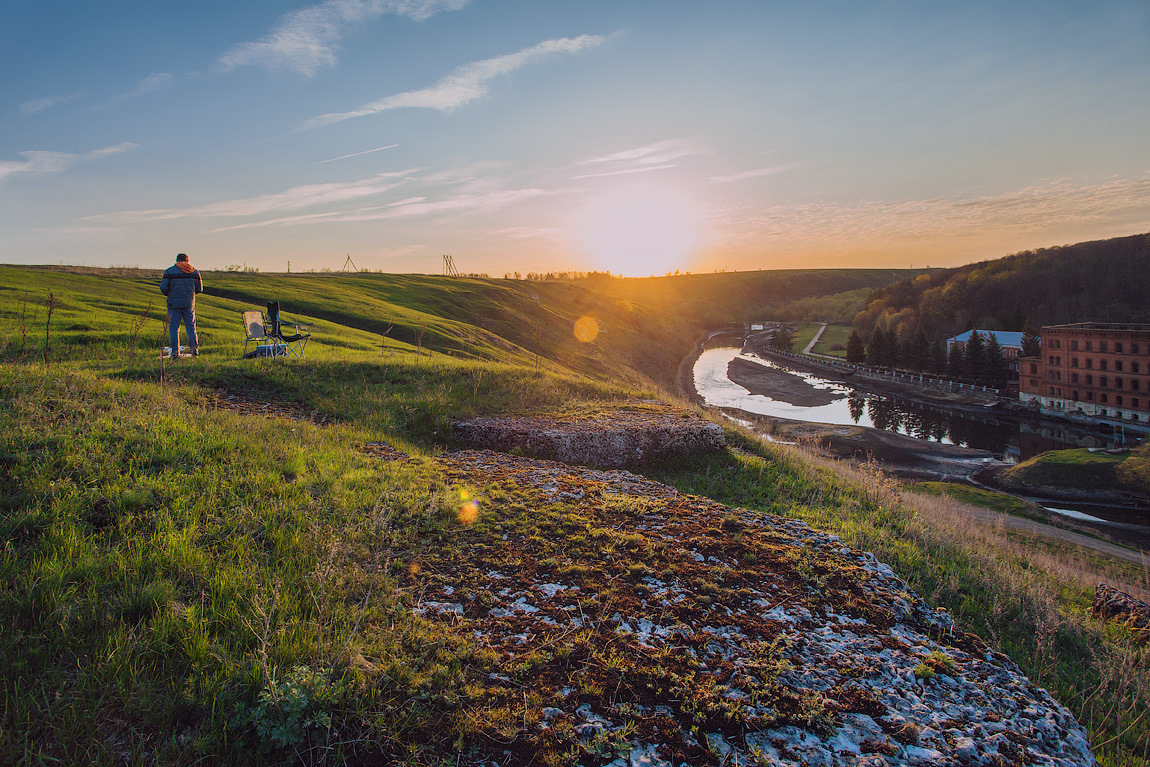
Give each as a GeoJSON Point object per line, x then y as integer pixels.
{"type": "Point", "coordinates": [254, 324]}
{"type": "Point", "coordinates": [273, 318]}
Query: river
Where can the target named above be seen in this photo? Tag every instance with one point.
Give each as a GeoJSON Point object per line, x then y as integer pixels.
{"type": "Point", "coordinates": [1010, 441]}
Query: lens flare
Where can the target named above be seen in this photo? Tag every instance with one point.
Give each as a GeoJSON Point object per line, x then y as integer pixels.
{"type": "Point", "coordinates": [468, 508]}
{"type": "Point", "coordinates": [586, 329]}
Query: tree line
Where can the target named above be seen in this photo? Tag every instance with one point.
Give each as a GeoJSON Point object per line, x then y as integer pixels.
{"type": "Point", "coordinates": [981, 360]}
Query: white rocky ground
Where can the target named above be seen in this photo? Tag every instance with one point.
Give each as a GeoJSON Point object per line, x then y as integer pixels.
{"type": "Point", "coordinates": [871, 674]}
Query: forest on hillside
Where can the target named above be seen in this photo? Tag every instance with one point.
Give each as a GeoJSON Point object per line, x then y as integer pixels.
{"type": "Point", "coordinates": [1100, 281]}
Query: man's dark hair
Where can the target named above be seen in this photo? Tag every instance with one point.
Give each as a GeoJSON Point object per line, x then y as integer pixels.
{"type": "Point", "coordinates": [181, 257]}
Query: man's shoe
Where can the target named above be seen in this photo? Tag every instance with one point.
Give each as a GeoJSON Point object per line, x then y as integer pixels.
{"type": "Point", "coordinates": [195, 352]}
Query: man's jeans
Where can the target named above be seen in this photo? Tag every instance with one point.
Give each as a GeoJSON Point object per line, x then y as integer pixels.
{"type": "Point", "coordinates": [189, 316]}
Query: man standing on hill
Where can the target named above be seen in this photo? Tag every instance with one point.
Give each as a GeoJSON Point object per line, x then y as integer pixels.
{"type": "Point", "coordinates": [180, 284]}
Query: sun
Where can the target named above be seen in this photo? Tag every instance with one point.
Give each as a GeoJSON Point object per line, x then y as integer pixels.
{"type": "Point", "coordinates": [638, 231]}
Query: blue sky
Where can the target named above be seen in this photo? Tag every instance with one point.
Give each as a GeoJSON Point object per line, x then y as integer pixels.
{"type": "Point", "coordinates": [638, 137]}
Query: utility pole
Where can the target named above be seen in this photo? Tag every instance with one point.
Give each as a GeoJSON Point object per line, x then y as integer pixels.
{"type": "Point", "coordinates": [449, 269]}
{"type": "Point", "coordinates": [349, 263]}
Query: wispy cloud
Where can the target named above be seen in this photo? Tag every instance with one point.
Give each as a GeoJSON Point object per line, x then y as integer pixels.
{"type": "Point", "coordinates": [357, 154]}
{"type": "Point", "coordinates": [749, 174]}
{"type": "Point", "coordinates": [465, 202]}
{"type": "Point", "coordinates": [1051, 206]}
{"type": "Point", "coordinates": [35, 106]}
{"type": "Point", "coordinates": [657, 156]}
{"type": "Point", "coordinates": [295, 198]}
{"type": "Point", "coordinates": [306, 40]}
{"type": "Point", "coordinates": [465, 84]}
{"type": "Point", "coordinates": [41, 163]}
{"type": "Point", "coordinates": [156, 81]}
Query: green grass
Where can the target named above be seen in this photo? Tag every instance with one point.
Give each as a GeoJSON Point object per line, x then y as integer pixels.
{"type": "Point", "coordinates": [834, 335]}
{"type": "Point", "coordinates": [1078, 469]}
{"type": "Point", "coordinates": [987, 499]}
{"type": "Point", "coordinates": [189, 585]}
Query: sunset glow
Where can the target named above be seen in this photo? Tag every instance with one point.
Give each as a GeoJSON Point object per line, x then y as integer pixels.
{"type": "Point", "coordinates": [638, 231]}
{"type": "Point", "coordinates": [632, 136]}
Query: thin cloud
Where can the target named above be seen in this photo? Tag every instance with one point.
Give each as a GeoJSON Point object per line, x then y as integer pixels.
{"type": "Point", "coordinates": [41, 163]}
{"type": "Point", "coordinates": [306, 40]}
{"type": "Point", "coordinates": [295, 198]}
{"type": "Point", "coordinates": [749, 174]}
{"type": "Point", "coordinates": [357, 154]}
{"type": "Point", "coordinates": [154, 82]}
{"type": "Point", "coordinates": [466, 202]}
{"type": "Point", "coordinates": [464, 85]}
{"type": "Point", "coordinates": [35, 106]}
{"type": "Point", "coordinates": [657, 156]}
{"type": "Point", "coordinates": [627, 171]}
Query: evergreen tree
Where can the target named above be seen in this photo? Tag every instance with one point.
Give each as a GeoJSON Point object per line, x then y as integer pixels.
{"type": "Point", "coordinates": [876, 348]}
{"type": "Point", "coordinates": [938, 357]}
{"type": "Point", "coordinates": [856, 352]}
{"type": "Point", "coordinates": [920, 351]}
{"type": "Point", "coordinates": [1031, 343]}
{"type": "Point", "coordinates": [890, 349]}
{"type": "Point", "coordinates": [997, 369]}
{"type": "Point", "coordinates": [783, 339]}
{"type": "Point", "coordinates": [976, 357]}
{"type": "Point", "coordinates": [955, 362]}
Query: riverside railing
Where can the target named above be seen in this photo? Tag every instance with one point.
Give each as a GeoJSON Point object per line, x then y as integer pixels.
{"type": "Point", "coordinates": [920, 378]}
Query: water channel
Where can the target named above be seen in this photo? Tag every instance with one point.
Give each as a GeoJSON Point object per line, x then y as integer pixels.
{"type": "Point", "coordinates": [1009, 440]}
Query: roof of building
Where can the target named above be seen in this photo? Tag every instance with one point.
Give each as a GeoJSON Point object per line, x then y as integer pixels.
{"type": "Point", "coordinates": [1109, 326]}
{"type": "Point", "coordinates": [1005, 337]}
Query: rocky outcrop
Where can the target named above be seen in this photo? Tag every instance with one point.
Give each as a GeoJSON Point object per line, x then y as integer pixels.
{"type": "Point", "coordinates": [615, 438]}
{"type": "Point", "coordinates": [656, 628]}
{"type": "Point", "coordinates": [1114, 605]}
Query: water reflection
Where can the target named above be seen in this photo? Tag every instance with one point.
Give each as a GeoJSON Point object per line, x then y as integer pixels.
{"type": "Point", "coordinates": [1007, 439]}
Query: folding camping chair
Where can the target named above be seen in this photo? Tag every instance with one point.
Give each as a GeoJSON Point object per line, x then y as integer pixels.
{"type": "Point", "coordinates": [292, 343]}
{"type": "Point", "coordinates": [255, 330]}
{"type": "Point", "coordinates": [269, 336]}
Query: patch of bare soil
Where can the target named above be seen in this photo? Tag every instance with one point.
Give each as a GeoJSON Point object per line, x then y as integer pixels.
{"type": "Point", "coordinates": [777, 384]}
{"type": "Point", "coordinates": [626, 623]}
{"type": "Point", "coordinates": [250, 404]}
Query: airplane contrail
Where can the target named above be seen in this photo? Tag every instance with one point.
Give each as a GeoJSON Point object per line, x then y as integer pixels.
{"type": "Point", "coordinates": [356, 154]}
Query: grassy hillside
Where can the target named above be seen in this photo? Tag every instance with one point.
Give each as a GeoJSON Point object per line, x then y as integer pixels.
{"type": "Point", "coordinates": [1102, 281]}
{"type": "Point", "coordinates": [207, 562]}
{"type": "Point", "coordinates": [713, 300]}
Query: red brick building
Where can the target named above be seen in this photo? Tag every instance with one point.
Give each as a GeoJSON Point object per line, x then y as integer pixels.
{"type": "Point", "coordinates": [1096, 370]}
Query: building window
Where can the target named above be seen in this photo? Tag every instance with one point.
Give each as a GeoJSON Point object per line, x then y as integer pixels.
{"type": "Point", "coordinates": [1101, 346]}
{"type": "Point", "coordinates": [1133, 367]}
{"type": "Point", "coordinates": [1073, 362]}
{"type": "Point", "coordinates": [1101, 364]}
{"type": "Point", "coordinates": [1089, 380]}
{"type": "Point", "coordinates": [1103, 398]}
{"type": "Point", "coordinates": [1089, 346]}
{"type": "Point", "coordinates": [1133, 384]}
{"type": "Point", "coordinates": [1074, 345]}
{"type": "Point", "coordinates": [1117, 383]}
{"type": "Point", "coordinates": [1117, 347]}
{"type": "Point", "coordinates": [1118, 365]}
{"type": "Point", "coordinates": [1133, 348]}
{"type": "Point", "coordinates": [1051, 391]}
{"type": "Point", "coordinates": [1089, 395]}
{"type": "Point", "coordinates": [1089, 363]}
{"type": "Point", "coordinates": [1134, 402]}
{"type": "Point", "coordinates": [1075, 395]}
{"type": "Point", "coordinates": [1118, 400]}
{"type": "Point", "coordinates": [1104, 381]}
{"type": "Point", "coordinates": [1073, 378]}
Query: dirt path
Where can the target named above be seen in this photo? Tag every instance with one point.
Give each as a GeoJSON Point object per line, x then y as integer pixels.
{"type": "Point", "coordinates": [815, 340]}
{"type": "Point", "coordinates": [989, 517]}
